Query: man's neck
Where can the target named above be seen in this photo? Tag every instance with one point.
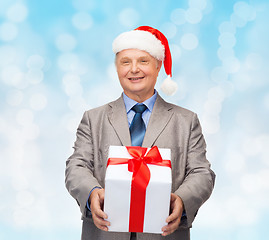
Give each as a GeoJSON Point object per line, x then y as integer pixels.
{"type": "Point", "coordinates": [139, 97]}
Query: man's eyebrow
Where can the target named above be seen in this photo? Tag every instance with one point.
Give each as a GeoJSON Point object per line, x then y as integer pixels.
{"type": "Point", "coordinates": [124, 58]}
{"type": "Point", "coordinates": [127, 58]}
{"type": "Point", "coordinates": [144, 56]}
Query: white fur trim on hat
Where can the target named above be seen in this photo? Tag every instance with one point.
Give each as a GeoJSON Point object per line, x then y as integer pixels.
{"type": "Point", "coordinates": [141, 40]}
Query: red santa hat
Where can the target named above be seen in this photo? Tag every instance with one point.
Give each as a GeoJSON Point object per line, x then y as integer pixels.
{"type": "Point", "coordinates": [155, 43]}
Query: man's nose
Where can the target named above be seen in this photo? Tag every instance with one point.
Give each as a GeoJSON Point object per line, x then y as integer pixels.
{"type": "Point", "coordinates": [134, 68]}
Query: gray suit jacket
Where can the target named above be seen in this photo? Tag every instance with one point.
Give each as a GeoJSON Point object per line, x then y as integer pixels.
{"type": "Point", "coordinates": [170, 126]}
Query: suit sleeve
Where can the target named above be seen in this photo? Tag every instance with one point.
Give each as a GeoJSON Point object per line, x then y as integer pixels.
{"type": "Point", "coordinates": [79, 178]}
{"type": "Point", "coordinates": [199, 178]}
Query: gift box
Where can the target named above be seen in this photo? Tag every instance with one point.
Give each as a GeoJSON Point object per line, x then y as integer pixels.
{"type": "Point", "coordinates": [137, 188]}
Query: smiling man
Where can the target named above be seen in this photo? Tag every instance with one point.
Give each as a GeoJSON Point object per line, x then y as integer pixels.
{"type": "Point", "coordinates": [137, 72]}
{"type": "Point", "coordinates": [140, 117]}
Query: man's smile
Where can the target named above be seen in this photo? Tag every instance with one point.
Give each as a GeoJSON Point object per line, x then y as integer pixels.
{"type": "Point", "coordinates": [135, 78]}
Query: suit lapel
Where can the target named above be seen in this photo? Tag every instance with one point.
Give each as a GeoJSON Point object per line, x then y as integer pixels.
{"type": "Point", "coordinates": [159, 118]}
{"type": "Point", "coordinates": [118, 119]}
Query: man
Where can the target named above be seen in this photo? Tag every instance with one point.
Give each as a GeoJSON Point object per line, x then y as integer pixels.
{"type": "Point", "coordinates": [139, 56]}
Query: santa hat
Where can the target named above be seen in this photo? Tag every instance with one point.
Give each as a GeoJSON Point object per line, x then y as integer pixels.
{"type": "Point", "coordinates": [155, 43]}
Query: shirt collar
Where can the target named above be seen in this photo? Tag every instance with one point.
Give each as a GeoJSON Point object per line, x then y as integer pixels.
{"type": "Point", "coordinates": [129, 103]}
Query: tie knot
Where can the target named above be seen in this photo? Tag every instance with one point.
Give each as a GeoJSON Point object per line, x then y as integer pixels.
{"type": "Point", "coordinates": [139, 108]}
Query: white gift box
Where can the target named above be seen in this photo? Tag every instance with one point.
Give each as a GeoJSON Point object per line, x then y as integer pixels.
{"type": "Point", "coordinates": [118, 183]}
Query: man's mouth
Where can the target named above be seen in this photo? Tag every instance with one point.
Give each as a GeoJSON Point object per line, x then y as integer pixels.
{"type": "Point", "coordinates": [135, 78]}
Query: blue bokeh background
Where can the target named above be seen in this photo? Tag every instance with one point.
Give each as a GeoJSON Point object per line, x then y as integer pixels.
{"type": "Point", "coordinates": [56, 62]}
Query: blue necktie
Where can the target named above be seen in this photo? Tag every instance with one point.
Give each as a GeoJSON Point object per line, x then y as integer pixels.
{"type": "Point", "coordinates": [138, 127]}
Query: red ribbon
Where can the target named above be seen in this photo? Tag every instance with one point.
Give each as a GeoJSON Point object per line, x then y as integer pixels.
{"type": "Point", "coordinates": [140, 179]}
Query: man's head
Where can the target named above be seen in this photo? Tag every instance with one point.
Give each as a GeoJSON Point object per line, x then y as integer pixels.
{"type": "Point", "coordinates": [131, 49]}
{"type": "Point", "coordinates": [137, 71]}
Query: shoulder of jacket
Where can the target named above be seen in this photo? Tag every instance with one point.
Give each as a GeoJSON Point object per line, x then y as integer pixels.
{"type": "Point", "coordinates": [178, 109]}
{"type": "Point", "coordinates": [102, 109]}
{"type": "Point", "coordinates": [182, 110]}
{"type": "Point", "coordinates": [97, 109]}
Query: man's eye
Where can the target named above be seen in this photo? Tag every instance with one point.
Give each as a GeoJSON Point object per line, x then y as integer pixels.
{"type": "Point", "coordinates": [144, 61]}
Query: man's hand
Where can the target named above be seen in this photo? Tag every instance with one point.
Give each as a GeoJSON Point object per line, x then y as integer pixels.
{"type": "Point", "coordinates": [173, 220]}
{"type": "Point", "coordinates": [98, 215]}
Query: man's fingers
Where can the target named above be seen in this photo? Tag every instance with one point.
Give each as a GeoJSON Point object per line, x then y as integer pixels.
{"type": "Point", "coordinates": [174, 218]}
{"type": "Point", "coordinates": [101, 223]}
{"type": "Point", "coordinates": [96, 204]}
{"type": "Point", "coordinates": [171, 227]}
{"type": "Point", "coordinates": [176, 208]}
{"type": "Point", "coordinates": [101, 214]}
{"type": "Point", "coordinates": [174, 215]}
{"type": "Point", "coordinates": [98, 214]}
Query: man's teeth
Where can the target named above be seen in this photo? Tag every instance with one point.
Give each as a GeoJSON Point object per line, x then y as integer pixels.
{"type": "Point", "coordinates": [135, 78]}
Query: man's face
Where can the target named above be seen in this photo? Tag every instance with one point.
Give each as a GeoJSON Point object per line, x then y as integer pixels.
{"type": "Point", "coordinates": [137, 71]}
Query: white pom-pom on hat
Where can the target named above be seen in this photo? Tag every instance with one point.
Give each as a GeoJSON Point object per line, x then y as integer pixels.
{"type": "Point", "coordinates": [169, 87]}
{"type": "Point", "coordinates": [155, 43]}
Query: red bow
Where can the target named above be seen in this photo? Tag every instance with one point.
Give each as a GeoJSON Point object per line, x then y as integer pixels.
{"type": "Point", "coordinates": [140, 180]}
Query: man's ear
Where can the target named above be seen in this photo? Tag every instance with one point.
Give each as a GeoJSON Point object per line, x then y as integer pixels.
{"type": "Point", "coordinates": [159, 64]}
